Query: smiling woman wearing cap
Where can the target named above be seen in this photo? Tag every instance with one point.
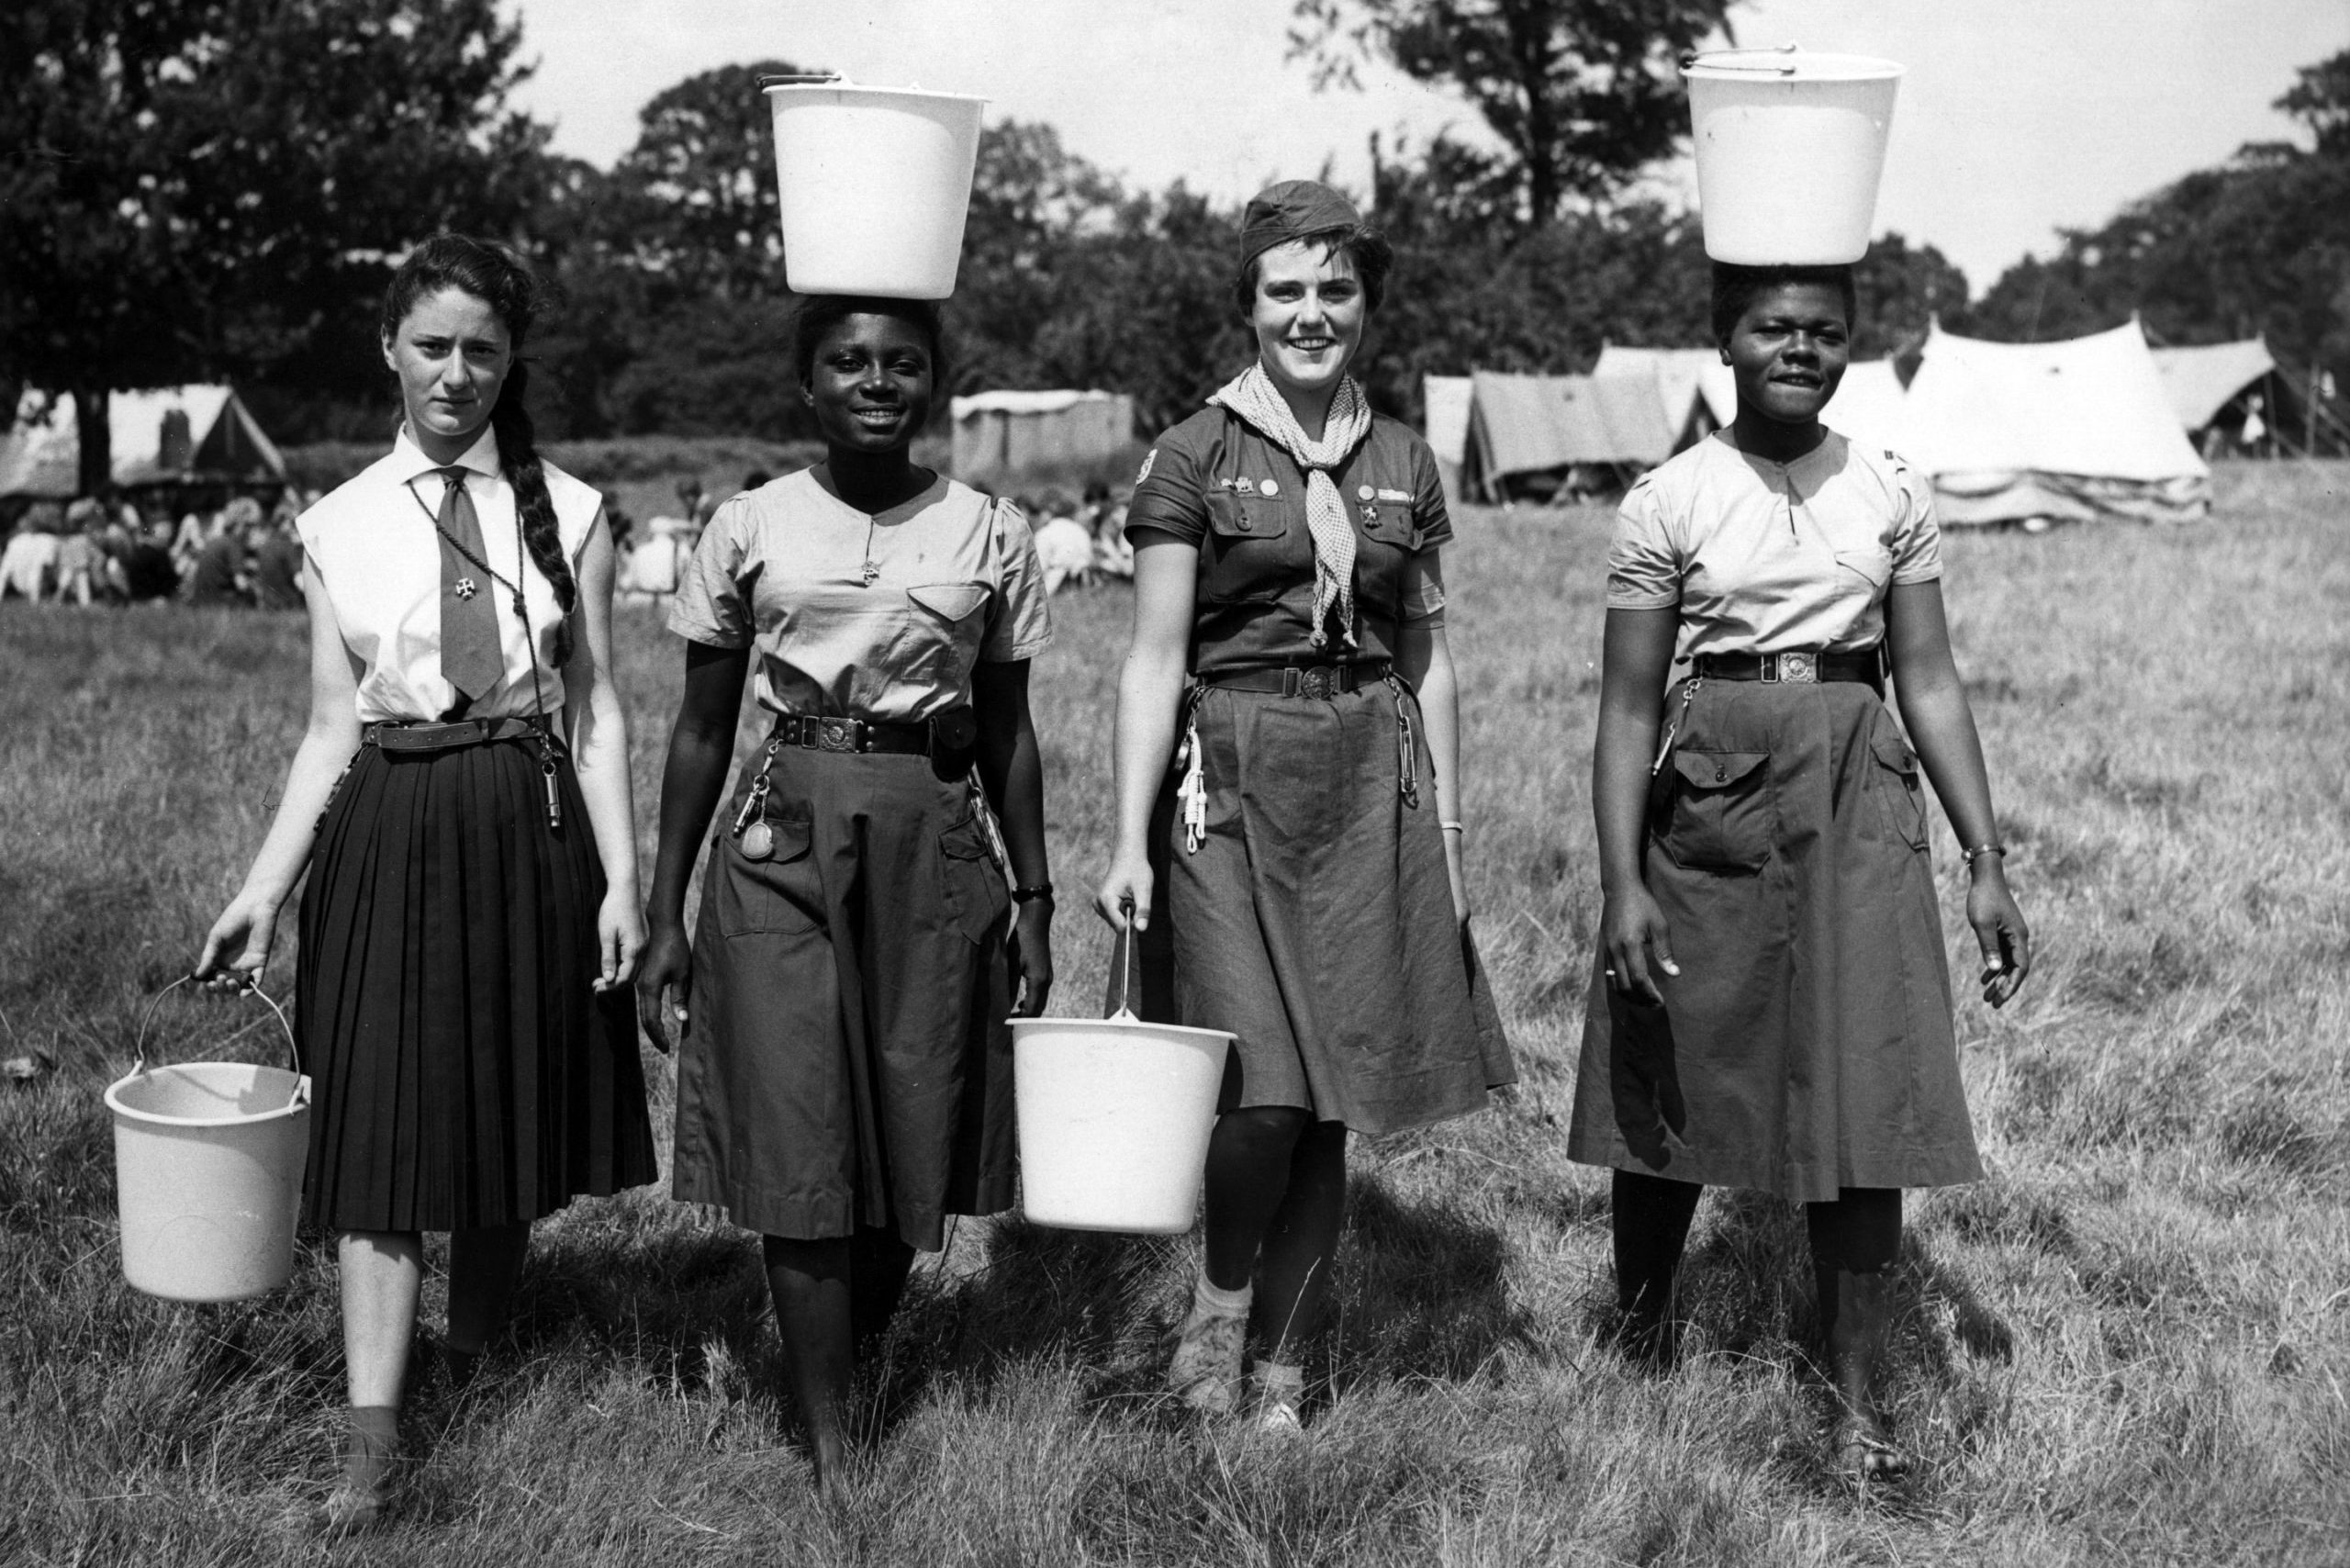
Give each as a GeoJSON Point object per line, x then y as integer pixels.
{"type": "Point", "coordinates": [1299, 864]}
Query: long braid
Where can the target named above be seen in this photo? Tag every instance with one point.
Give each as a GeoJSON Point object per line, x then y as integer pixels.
{"type": "Point", "coordinates": [518, 451]}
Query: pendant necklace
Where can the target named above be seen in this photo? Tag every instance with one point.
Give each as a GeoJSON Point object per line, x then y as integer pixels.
{"type": "Point", "coordinates": [871, 571]}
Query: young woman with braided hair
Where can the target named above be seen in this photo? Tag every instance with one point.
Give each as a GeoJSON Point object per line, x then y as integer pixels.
{"type": "Point", "coordinates": [461, 803]}
{"type": "Point", "coordinates": [1297, 874]}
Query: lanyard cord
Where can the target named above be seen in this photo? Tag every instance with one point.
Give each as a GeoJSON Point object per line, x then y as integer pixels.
{"type": "Point", "coordinates": [522, 605]}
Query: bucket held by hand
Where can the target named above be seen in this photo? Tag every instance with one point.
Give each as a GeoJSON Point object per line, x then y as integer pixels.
{"type": "Point", "coordinates": [874, 183]}
{"type": "Point", "coordinates": [208, 1161]}
{"type": "Point", "coordinates": [1790, 147]}
{"type": "Point", "coordinates": [1114, 1116]}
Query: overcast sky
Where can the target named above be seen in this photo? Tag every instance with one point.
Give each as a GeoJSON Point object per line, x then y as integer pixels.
{"type": "Point", "coordinates": [2017, 117]}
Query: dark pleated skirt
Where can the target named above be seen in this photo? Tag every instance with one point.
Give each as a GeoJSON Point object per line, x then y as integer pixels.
{"type": "Point", "coordinates": [464, 1071]}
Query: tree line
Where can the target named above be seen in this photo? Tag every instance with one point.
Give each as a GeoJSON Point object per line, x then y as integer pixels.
{"type": "Point", "coordinates": [210, 189]}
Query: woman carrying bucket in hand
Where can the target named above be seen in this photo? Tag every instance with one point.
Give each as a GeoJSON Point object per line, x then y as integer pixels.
{"type": "Point", "coordinates": [1771, 1006]}
{"type": "Point", "coordinates": [1304, 858]}
{"type": "Point", "coordinates": [461, 802]}
{"type": "Point", "coordinates": [845, 1081]}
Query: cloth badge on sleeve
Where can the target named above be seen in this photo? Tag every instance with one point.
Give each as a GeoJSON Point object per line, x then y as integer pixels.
{"type": "Point", "coordinates": [1148, 459]}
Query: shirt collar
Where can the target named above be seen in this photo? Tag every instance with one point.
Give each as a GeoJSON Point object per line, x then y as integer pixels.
{"type": "Point", "coordinates": [409, 464]}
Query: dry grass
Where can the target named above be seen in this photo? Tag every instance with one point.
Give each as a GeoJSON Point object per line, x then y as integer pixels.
{"type": "Point", "coordinates": [2129, 1346]}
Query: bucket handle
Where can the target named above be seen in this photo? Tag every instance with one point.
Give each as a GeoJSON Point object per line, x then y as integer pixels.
{"type": "Point", "coordinates": [1789, 69]}
{"type": "Point", "coordinates": [1123, 962]}
{"type": "Point", "coordinates": [799, 78]}
{"type": "Point", "coordinates": [252, 986]}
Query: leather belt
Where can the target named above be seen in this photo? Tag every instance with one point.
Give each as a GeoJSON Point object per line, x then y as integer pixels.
{"type": "Point", "coordinates": [812, 731]}
{"type": "Point", "coordinates": [428, 735]}
{"type": "Point", "coordinates": [1301, 680]}
{"type": "Point", "coordinates": [1803, 669]}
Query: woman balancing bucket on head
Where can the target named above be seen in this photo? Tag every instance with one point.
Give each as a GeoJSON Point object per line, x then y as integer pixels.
{"type": "Point", "coordinates": [1770, 1006]}
{"type": "Point", "coordinates": [461, 801]}
{"type": "Point", "coordinates": [847, 1075]}
{"type": "Point", "coordinates": [1304, 854]}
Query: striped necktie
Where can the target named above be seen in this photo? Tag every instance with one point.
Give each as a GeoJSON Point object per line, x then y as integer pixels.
{"type": "Point", "coordinates": [473, 657]}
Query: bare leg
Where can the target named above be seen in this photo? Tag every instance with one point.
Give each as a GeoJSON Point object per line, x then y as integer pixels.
{"type": "Point", "coordinates": [811, 1283]}
{"type": "Point", "coordinates": [1854, 1243]}
{"type": "Point", "coordinates": [382, 1272]}
{"type": "Point", "coordinates": [1650, 1218]}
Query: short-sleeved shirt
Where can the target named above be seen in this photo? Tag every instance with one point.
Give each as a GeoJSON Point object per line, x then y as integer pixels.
{"type": "Point", "coordinates": [783, 569]}
{"type": "Point", "coordinates": [374, 546]}
{"type": "Point", "coordinates": [1215, 483]}
{"type": "Point", "coordinates": [1764, 557]}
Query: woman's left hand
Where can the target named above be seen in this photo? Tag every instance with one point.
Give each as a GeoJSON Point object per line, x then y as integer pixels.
{"type": "Point", "coordinates": [619, 938]}
{"type": "Point", "coordinates": [1031, 953]}
{"type": "Point", "coordinates": [1459, 877]}
{"type": "Point", "coordinates": [1999, 929]}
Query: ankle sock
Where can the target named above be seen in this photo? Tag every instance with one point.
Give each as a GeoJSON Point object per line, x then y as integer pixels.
{"type": "Point", "coordinates": [1208, 1298]}
{"type": "Point", "coordinates": [1280, 1382]}
{"type": "Point", "coordinates": [371, 1447]}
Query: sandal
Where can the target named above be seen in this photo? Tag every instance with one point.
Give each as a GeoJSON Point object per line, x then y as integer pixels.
{"type": "Point", "coordinates": [1205, 1372]}
{"type": "Point", "coordinates": [350, 1510]}
{"type": "Point", "coordinates": [1863, 1453]}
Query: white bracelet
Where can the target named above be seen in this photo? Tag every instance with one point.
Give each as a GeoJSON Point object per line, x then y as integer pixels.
{"type": "Point", "coordinates": [1453, 828]}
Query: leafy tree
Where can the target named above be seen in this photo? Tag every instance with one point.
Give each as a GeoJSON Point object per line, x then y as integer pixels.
{"type": "Point", "coordinates": [1584, 93]}
{"type": "Point", "coordinates": [199, 189]}
{"type": "Point", "coordinates": [2260, 244]}
{"type": "Point", "coordinates": [694, 201]}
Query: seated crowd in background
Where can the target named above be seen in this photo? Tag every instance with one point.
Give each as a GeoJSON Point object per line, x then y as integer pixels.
{"type": "Point", "coordinates": [124, 552]}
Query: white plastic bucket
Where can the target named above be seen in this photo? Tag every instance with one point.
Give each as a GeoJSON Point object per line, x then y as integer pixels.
{"type": "Point", "coordinates": [1790, 148]}
{"type": "Point", "coordinates": [875, 184]}
{"type": "Point", "coordinates": [208, 1161]}
{"type": "Point", "coordinates": [1115, 1117]}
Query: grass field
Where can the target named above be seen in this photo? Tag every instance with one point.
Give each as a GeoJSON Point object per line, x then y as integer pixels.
{"type": "Point", "coordinates": [2130, 1345]}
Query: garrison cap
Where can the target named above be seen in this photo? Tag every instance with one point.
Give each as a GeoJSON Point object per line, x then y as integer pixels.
{"type": "Point", "coordinates": [1291, 210]}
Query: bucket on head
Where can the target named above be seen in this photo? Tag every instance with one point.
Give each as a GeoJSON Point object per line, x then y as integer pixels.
{"type": "Point", "coordinates": [208, 1161]}
{"type": "Point", "coordinates": [1790, 146]}
{"type": "Point", "coordinates": [874, 183]}
{"type": "Point", "coordinates": [1114, 1116]}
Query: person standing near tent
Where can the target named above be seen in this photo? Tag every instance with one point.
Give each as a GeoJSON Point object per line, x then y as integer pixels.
{"type": "Point", "coordinates": [845, 1081]}
{"type": "Point", "coordinates": [1308, 866]}
{"type": "Point", "coordinates": [461, 802]}
{"type": "Point", "coordinates": [1771, 1004]}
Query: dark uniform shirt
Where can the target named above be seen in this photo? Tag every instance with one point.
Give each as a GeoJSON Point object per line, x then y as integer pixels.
{"type": "Point", "coordinates": [1215, 483]}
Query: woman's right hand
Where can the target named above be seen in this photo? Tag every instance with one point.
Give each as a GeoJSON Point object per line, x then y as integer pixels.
{"type": "Point", "coordinates": [248, 927]}
{"type": "Point", "coordinates": [1127, 887]}
{"type": "Point", "coordinates": [1632, 931]}
{"type": "Point", "coordinates": [668, 963]}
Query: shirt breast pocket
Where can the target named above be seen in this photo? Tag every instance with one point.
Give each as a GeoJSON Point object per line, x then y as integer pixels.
{"type": "Point", "coordinates": [940, 641]}
{"type": "Point", "coordinates": [1247, 554]}
{"type": "Point", "coordinates": [1387, 538]}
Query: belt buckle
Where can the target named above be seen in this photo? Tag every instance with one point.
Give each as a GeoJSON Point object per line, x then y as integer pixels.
{"type": "Point", "coordinates": [1799, 669]}
{"type": "Point", "coordinates": [836, 734]}
{"type": "Point", "coordinates": [1314, 682]}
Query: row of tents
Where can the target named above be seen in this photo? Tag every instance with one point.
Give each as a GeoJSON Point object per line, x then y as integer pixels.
{"type": "Point", "coordinates": [2104, 425]}
{"type": "Point", "coordinates": [172, 435]}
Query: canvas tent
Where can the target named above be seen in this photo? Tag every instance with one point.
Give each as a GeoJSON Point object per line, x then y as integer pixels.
{"type": "Point", "coordinates": [171, 435]}
{"type": "Point", "coordinates": [1697, 389]}
{"type": "Point", "coordinates": [1539, 433]}
{"type": "Point", "coordinates": [1444, 401]}
{"type": "Point", "coordinates": [2079, 428]}
{"type": "Point", "coordinates": [1870, 406]}
{"type": "Point", "coordinates": [2205, 379]}
{"type": "Point", "coordinates": [998, 433]}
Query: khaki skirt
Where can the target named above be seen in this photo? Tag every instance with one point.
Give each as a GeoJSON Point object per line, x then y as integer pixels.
{"type": "Point", "coordinates": [1316, 922]}
{"type": "Point", "coordinates": [1806, 1045]}
{"type": "Point", "coordinates": [848, 1062]}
